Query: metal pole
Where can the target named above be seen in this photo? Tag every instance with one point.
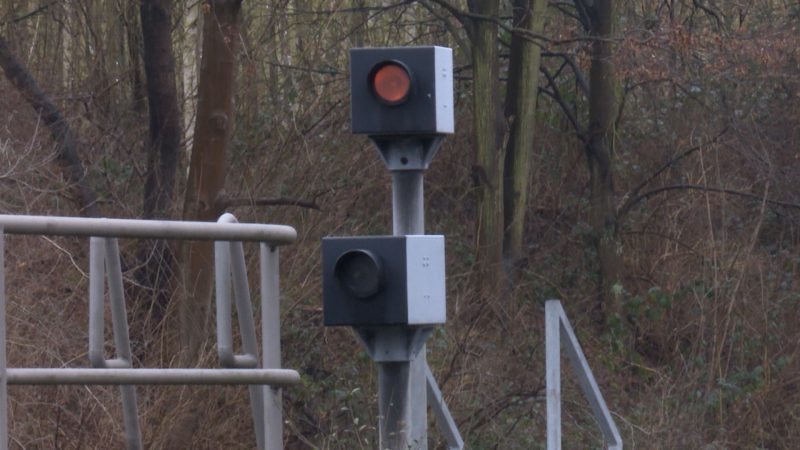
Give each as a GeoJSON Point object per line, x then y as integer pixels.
{"type": "Point", "coordinates": [271, 344]}
{"type": "Point", "coordinates": [229, 266]}
{"type": "Point", "coordinates": [96, 298]}
{"type": "Point", "coordinates": [408, 202]}
{"type": "Point", "coordinates": [402, 393]}
{"type": "Point", "coordinates": [119, 319]}
{"type": "Point", "coordinates": [247, 330]}
{"type": "Point", "coordinates": [3, 372]}
{"type": "Point", "coordinates": [553, 375]}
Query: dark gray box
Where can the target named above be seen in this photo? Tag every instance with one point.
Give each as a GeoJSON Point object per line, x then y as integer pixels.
{"type": "Point", "coordinates": [428, 109]}
{"type": "Point", "coordinates": [409, 290]}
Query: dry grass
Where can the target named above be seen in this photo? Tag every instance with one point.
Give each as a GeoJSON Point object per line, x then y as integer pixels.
{"type": "Point", "coordinates": [706, 357]}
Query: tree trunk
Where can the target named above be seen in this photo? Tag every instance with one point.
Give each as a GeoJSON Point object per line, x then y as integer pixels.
{"type": "Point", "coordinates": [208, 166]}
{"type": "Point", "coordinates": [603, 108]}
{"type": "Point", "coordinates": [207, 170]}
{"type": "Point", "coordinates": [488, 168]}
{"type": "Point", "coordinates": [190, 48]}
{"type": "Point", "coordinates": [66, 142]}
{"type": "Point", "coordinates": [163, 143]}
{"type": "Point", "coordinates": [134, 42]}
{"type": "Point", "coordinates": [164, 137]}
{"type": "Point", "coordinates": [523, 88]}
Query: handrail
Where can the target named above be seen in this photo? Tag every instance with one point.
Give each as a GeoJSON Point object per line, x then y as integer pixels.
{"type": "Point", "coordinates": [265, 382]}
{"type": "Point", "coordinates": [125, 376]}
{"type": "Point", "coordinates": [558, 331]}
{"type": "Point", "coordinates": [153, 229]}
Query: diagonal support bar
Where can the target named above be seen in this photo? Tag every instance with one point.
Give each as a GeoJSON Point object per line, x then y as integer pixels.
{"type": "Point", "coordinates": [447, 426]}
{"type": "Point", "coordinates": [104, 260]}
{"type": "Point", "coordinates": [558, 331]}
{"type": "Point", "coordinates": [230, 269]}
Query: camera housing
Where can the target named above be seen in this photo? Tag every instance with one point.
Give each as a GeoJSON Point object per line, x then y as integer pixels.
{"type": "Point", "coordinates": [401, 90]}
{"type": "Point", "coordinates": [383, 280]}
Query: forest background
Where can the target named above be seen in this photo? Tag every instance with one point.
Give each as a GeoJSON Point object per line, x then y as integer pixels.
{"type": "Point", "coordinates": [634, 159]}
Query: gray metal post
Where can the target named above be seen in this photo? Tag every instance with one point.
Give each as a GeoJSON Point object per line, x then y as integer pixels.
{"type": "Point", "coordinates": [229, 266]}
{"type": "Point", "coordinates": [3, 372]}
{"type": "Point", "coordinates": [408, 203]}
{"type": "Point", "coordinates": [558, 333]}
{"type": "Point", "coordinates": [402, 392]}
{"type": "Point", "coordinates": [271, 344]}
{"type": "Point", "coordinates": [553, 376]}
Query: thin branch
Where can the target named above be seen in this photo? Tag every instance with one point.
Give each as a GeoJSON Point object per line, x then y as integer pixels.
{"type": "Point", "coordinates": [624, 98]}
{"type": "Point", "coordinates": [584, 9]}
{"type": "Point", "coordinates": [326, 71]}
{"type": "Point", "coordinates": [233, 202]}
{"type": "Point", "coordinates": [579, 76]}
{"type": "Point", "coordinates": [453, 31]}
{"type": "Point", "coordinates": [562, 7]}
{"type": "Point", "coordinates": [355, 9]}
{"type": "Point", "coordinates": [556, 95]}
{"type": "Point", "coordinates": [635, 191]}
{"type": "Point", "coordinates": [321, 118]}
{"type": "Point", "coordinates": [697, 187]}
{"type": "Point", "coordinates": [711, 13]}
{"type": "Point", "coordinates": [457, 13]}
{"type": "Point", "coordinates": [36, 11]}
{"type": "Point", "coordinates": [536, 38]}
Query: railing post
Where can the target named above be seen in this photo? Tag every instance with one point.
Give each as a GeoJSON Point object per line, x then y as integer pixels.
{"type": "Point", "coordinates": [271, 344]}
{"type": "Point", "coordinates": [3, 371]}
{"type": "Point", "coordinates": [553, 374]}
{"type": "Point", "coordinates": [229, 268]}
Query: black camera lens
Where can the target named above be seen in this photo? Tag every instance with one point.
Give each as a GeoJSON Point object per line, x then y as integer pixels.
{"type": "Point", "coordinates": [360, 273]}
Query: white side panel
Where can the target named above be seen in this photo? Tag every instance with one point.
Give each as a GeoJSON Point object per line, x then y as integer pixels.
{"type": "Point", "coordinates": [443, 62]}
{"type": "Point", "coordinates": [426, 288]}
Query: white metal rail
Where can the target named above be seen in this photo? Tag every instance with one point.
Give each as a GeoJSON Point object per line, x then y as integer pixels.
{"type": "Point", "coordinates": [104, 264]}
{"type": "Point", "coordinates": [558, 331]}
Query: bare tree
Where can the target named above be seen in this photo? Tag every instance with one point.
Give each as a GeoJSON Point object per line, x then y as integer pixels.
{"type": "Point", "coordinates": [520, 111]}
{"type": "Point", "coordinates": [489, 136]}
{"type": "Point", "coordinates": [164, 138]}
{"type": "Point", "coordinates": [603, 110]}
{"type": "Point", "coordinates": [66, 141]}
{"type": "Point", "coordinates": [208, 165]}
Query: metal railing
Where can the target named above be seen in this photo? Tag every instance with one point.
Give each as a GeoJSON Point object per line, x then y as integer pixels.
{"type": "Point", "coordinates": [230, 271]}
{"type": "Point", "coordinates": [558, 331]}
